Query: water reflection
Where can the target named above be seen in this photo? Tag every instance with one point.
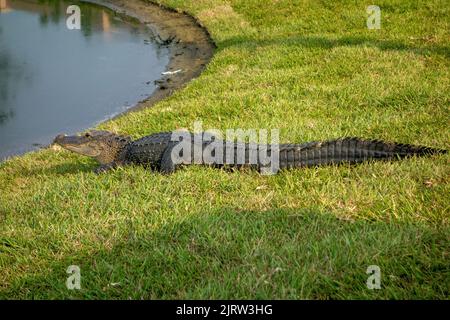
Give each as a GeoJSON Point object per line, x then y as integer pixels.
{"type": "Point", "coordinates": [4, 8]}
{"type": "Point", "coordinates": [13, 76]}
{"type": "Point", "coordinates": [93, 18]}
{"type": "Point", "coordinates": [54, 80]}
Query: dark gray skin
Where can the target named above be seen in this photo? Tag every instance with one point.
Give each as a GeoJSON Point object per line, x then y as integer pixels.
{"type": "Point", "coordinates": [155, 151]}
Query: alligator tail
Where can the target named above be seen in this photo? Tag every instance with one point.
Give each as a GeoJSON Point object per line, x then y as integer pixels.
{"type": "Point", "coordinates": [347, 150]}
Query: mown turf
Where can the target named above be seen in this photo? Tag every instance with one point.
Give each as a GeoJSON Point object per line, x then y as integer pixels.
{"type": "Point", "coordinates": [311, 69]}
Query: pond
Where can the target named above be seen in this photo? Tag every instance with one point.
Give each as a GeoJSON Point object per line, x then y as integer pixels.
{"type": "Point", "coordinates": [57, 76]}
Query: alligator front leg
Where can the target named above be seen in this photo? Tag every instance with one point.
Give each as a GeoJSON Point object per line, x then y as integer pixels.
{"type": "Point", "coordinates": [105, 167]}
{"type": "Point", "coordinates": [167, 165]}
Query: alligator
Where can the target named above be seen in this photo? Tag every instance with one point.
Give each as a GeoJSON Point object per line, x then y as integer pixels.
{"type": "Point", "coordinates": [157, 151]}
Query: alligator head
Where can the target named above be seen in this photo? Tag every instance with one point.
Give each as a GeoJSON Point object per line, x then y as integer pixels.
{"type": "Point", "coordinates": [106, 147]}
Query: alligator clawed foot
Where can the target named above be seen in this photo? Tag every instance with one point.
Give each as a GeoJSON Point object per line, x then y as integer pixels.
{"type": "Point", "coordinates": [104, 168]}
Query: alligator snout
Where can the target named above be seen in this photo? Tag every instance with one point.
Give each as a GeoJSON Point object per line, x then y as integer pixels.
{"type": "Point", "coordinates": [59, 138]}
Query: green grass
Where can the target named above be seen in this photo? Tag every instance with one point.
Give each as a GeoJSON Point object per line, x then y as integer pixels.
{"type": "Point", "coordinates": [309, 68]}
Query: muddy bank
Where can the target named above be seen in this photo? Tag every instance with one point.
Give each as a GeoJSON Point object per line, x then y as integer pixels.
{"type": "Point", "coordinates": [190, 45]}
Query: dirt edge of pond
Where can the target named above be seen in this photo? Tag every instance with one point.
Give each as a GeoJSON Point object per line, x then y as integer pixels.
{"type": "Point", "coordinates": [190, 50]}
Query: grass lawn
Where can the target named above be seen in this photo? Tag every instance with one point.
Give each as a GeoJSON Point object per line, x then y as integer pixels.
{"type": "Point", "coordinates": [311, 69]}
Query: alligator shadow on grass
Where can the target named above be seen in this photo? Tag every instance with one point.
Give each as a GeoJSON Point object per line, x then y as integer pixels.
{"type": "Point", "coordinates": [70, 168]}
{"type": "Point", "coordinates": [66, 168]}
{"type": "Point", "coordinates": [330, 43]}
{"type": "Point", "coordinates": [232, 254]}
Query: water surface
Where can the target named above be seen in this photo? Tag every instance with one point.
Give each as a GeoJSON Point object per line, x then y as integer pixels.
{"type": "Point", "coordinates": [55, 80]}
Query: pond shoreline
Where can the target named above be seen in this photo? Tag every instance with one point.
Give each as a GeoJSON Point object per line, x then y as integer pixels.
{"type": "Point", "coordinates": [190, 50]}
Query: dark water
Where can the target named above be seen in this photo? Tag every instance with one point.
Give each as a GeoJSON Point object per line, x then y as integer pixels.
{"type": "Point", "coordinates": [55, 80]}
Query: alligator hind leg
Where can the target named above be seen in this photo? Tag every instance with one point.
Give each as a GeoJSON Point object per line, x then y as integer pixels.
{"type": "Point", "coordinates": [167, 164]}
